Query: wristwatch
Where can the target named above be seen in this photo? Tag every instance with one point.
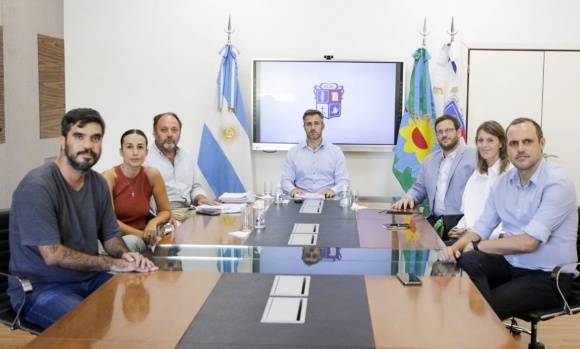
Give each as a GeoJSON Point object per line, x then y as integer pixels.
{"type": "Point", "coordinates": [475, 242]}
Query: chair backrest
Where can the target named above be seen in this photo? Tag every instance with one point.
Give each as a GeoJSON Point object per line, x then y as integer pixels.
{"type": "Point", "coordinates": [578, 244]}
{"type": "Point", "coordinates": [6, 312]}
{"type": "Point", "coordinates": [4, 246]}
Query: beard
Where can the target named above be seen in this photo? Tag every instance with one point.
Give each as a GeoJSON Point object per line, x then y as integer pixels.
{"type": "Point", "coordinates": [451, 145]}
{"type": "Point", "coordinates": [314, 136]}
{"type": "Point", "coordinates": [165, 146]}
{"type": "Point", "coordinates": [169, 146]}
{"type": "Point", "coordinates": [83, 165]}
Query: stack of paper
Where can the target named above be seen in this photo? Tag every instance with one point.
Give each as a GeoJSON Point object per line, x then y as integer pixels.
{"type": "Point", "coordinates": [310, 196]}
{"type": "Point", "coordinates": [224, 208]}
{"type": "Point", "coordinates": [233, 198]}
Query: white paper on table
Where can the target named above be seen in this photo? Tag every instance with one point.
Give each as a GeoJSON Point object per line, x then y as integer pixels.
{"type": "Point", "coordinates": [225, 208]}
{"type": "Point", "coordinates": [310, 196]}
{"type": "Point", "coordinates": [234, 195]}
{"type": "Point", "coordinates": [240, 234]}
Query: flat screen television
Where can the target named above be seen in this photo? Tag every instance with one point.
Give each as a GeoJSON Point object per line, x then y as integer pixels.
{"type": "Point", "coordinates": [362, 102]}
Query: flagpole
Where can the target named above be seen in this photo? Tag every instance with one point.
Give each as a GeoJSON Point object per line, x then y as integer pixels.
{"type": "Point", "coordinates": [424, 33]}
{"type": "Point", "coordinates": [452, 32]}
{"type": "Point", "coordinates": [230, 31]}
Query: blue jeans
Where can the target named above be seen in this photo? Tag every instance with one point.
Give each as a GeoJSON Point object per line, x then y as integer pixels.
{"type": "Point", "coordinates": [49, 301]}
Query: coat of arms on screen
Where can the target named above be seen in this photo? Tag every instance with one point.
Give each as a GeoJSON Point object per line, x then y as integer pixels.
{"type": "Point", "coordinates": [329, 99]}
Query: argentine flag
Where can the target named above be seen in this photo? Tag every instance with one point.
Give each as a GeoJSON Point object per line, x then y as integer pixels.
{"type": "Point", "coordinates": [224, 154]}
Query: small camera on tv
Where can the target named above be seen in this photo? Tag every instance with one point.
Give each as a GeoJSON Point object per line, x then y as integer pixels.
{"type": "Point", "coordinates": [328, 57]}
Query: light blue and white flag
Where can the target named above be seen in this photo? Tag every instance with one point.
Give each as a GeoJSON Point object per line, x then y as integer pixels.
{"type": "Point", "coordinates": [447, 83]}
{"type": "Point", "coordinates": [225, 155]}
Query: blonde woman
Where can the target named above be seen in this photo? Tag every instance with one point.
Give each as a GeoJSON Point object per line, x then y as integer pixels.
{"type": "Point", "coordinates": [132, 186]}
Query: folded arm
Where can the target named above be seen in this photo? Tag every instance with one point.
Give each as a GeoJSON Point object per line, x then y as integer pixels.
{"type": "Point", "coordinates": [66, 257]}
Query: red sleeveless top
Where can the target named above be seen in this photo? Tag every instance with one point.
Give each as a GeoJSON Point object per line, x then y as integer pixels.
{"type": "Point", "coordinates": [131, 198]}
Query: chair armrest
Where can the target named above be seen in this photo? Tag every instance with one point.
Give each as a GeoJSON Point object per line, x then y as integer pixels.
{"type": "Point", "coordinates": [556, 275]}
{"type": "Point", "coordinates": [26, 288]}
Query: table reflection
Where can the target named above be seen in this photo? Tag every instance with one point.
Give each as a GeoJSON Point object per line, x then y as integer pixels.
{"type": "Point", "coordinates": [313, 255]}
{"type": "Point", "coordinates": [136, 299]}
{"type": "Point", "coordinates": [300, 260]}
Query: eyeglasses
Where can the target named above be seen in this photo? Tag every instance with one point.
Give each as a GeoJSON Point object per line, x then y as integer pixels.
{"type": "Point", "coordinates": [445, 131]}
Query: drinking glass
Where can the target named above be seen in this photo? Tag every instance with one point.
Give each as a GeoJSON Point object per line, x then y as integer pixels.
{"type": "Point", "coordinates": [247, 215]}
{"type": "Point", "coordinates": [354, 197]}
{"type": "Point", "coordinates": [267, 188]}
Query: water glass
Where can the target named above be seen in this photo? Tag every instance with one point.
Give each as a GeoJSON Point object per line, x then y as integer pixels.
{"type": "Point", "coordinates": [247, 215]}
{"type": "Point", "coordinates": [354, 197]}
{"type": "Point", "coordinates": [260, 215]}
{"type": "Point", "coordinates": [345, 197]}
{"type": "Point", "coordinates": [267, 188]}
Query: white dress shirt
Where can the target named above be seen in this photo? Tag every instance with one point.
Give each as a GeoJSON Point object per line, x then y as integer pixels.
{"type": "Point", "coordinates": [442, 179]}
{"type": "Point", "coordinates": [181, 178]}
{"type": "Point", "coordinates": [475, 196]}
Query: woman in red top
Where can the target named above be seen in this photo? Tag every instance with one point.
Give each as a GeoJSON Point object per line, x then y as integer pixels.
{"type": "Point", "coordinates": [132, 186]}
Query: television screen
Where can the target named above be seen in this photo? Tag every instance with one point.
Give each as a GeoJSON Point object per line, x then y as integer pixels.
{"type": "Point", "coordinates": [362, 102]}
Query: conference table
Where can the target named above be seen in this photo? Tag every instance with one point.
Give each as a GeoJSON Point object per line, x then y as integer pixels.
{"type": "Point", "coordinates": [216, 290]}
{"type": "Point", "coordinates": [339, 226]}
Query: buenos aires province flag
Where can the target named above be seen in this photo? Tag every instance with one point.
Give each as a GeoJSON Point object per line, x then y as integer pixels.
{"type": "Point", "coordinates": [416, 137]}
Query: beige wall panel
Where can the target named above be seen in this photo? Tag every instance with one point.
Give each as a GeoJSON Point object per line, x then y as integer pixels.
{"type": "Point", "coordinates": [51, 85]}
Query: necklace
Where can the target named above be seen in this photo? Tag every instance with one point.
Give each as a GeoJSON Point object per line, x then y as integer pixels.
{"type": "Point", "coordinates": [128, 180]}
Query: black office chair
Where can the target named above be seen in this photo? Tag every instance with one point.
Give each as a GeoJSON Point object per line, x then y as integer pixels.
{"type": "Point", "coordinates": [569, 307]}
{"type": "Point", "coordinates": [7, 315]}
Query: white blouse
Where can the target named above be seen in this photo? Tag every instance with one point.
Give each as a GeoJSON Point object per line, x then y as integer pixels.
{"type": "Point", "coordinates": [475, 195]}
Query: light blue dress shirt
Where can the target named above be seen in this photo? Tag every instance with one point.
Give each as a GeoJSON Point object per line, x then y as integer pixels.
{"type": "Point", "coordinates": [544, 209]}
{"type": "Point", "coordinates": [315, 170]}
{"type": "Point", "coordinates": [181, 178]}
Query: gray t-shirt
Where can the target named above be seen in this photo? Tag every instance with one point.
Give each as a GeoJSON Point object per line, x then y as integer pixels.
{"type": "Point", "coordinates": [46, 210]}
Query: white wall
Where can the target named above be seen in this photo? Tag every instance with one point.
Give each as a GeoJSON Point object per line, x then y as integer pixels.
{"type": "Point", "coordinates": [131, 59]}
{"type": "Point", "coordinates": [22, 21]}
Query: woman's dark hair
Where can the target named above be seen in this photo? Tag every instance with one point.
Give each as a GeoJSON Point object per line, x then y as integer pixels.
{"type": "Point", "coordinates": [131, 132]}
{"type": "Point", "coordinates": [495, 129]}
